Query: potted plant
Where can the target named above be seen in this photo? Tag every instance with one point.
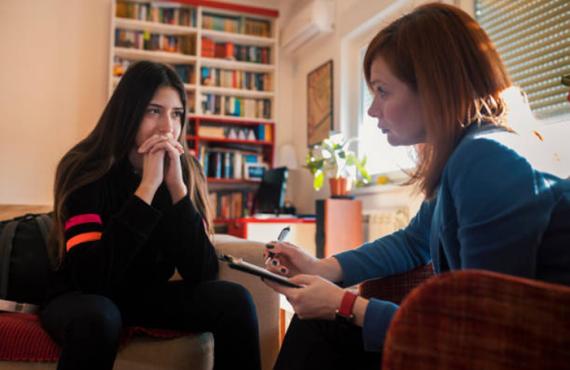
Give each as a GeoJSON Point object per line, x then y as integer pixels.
{"type": "Point", "coordinates": [333, 159]}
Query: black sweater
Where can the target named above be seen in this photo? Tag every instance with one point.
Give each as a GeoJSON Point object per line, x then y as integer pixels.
{"type": "Point", "coordinates": [120, 247]}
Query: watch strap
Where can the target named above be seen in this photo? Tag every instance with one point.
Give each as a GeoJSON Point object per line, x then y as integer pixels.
{"type": "Point", "coordinates": [347, 304]}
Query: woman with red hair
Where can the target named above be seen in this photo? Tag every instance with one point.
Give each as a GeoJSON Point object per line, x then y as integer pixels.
{"type": "Point", "coordinates": [492, 200]}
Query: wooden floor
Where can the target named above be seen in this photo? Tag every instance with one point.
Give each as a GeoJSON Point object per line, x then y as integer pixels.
{"type": "Point", "coordinates": [8, 211]}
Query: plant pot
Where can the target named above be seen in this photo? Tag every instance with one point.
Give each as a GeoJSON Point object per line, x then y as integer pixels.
{"type": "Point", "coordinates": [339, 186]}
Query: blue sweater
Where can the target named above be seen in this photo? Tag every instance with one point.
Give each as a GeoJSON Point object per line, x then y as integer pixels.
{"type": "Point", "coordinates": [498, 207]}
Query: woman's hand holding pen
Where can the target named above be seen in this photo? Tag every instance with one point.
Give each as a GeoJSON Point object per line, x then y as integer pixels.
{"type": "Point", "coordinates": [318, 297]}
{"type": "Point", "coordinates": [287, 259]}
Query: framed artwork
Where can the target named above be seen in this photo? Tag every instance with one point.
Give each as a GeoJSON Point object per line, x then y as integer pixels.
{"type": "Point", "coordinates": [319, 103]}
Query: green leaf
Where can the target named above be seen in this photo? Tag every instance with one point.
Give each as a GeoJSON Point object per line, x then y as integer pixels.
{"type": "Point", "coordinates": [319, 179]}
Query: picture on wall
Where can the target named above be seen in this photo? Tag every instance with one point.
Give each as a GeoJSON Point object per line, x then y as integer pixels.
{"type": "Point", "coordinates": [319, 103]}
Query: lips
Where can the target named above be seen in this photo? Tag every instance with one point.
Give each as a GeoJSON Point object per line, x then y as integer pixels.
{"type": "Point", "coordinates": [384, 130]}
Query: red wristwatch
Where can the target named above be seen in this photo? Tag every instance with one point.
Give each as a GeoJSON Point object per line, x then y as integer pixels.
{"type": "Point", "coordinates": [344, 312]}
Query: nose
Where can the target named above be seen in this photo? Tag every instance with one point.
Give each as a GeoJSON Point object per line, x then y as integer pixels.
{"type": "Point", "coordinates": [166, 124]}
{"type": "Point", "coordinates": [375, 109]}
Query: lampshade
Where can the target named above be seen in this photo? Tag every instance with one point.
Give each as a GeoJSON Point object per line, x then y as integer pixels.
{"type": "Point", "coordinates": [287, 157]}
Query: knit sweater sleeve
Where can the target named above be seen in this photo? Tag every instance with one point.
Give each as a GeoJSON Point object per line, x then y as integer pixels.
{"type": "Point", "coordinates": [190, 248]}
{"type": "Point", "coordinates": [100, 247]}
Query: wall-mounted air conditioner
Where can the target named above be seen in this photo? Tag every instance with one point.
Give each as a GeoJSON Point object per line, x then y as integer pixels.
{"type": "Point", "coordinates": [314, 19]}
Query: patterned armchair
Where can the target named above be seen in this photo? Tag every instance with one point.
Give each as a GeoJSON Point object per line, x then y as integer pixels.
{"type": "Point", "coordinates": [474, 319]}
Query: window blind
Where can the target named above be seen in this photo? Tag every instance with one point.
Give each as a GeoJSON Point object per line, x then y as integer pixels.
{"type": "Point", "coordinates": [533, 39]}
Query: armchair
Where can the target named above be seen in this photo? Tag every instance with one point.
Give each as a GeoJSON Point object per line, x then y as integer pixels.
{"type": "Point", "coordinates": [24, 344]}
{"type": "Point", "coordinates": [474, 319]}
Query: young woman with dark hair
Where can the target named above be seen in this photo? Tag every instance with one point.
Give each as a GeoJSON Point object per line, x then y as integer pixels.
{"type": "Point", "coordinates": [493, 199]}
{"type": "Point", "coordinates": [130, 208]}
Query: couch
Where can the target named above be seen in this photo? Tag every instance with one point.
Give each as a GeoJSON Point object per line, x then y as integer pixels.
{"type": "Point", "coordinates": [165, 350]}
{"type": "Point", "coordinates": [474, 319]}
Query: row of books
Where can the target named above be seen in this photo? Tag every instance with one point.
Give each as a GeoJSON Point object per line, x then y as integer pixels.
{"type": "Point", "coordinates": [241, 53]}
{"type": "Point", "coordinates": [156, 12]}
{"type": "Point", "coordinates": [257, 133]}
{"type": "Point", "coordinates": [236, 106]}
{"type": "Point", "coordinates": [223, 163]}
{"type": "Point", "coordinates": [185, 71]}
{"type": "Point", "coordinates": [144, 40]}
{"type": "Point", "coordinates": [236, 79]}
{"type": "Point", "coordinates": [237, 24]}
{"type": "Point", "coordinates": [230, 205]}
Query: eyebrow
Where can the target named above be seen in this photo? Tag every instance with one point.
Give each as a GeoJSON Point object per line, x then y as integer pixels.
{"type": "Point", "coordinates": [378, 81]}
{"type": "Point", "coordinates": [161, 106]}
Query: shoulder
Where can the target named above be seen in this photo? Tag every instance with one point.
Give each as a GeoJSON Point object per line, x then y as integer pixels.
{"type": "Point", "coordinates": [492, 151]}
{"type": "Point", "coordinates": [88, 198]}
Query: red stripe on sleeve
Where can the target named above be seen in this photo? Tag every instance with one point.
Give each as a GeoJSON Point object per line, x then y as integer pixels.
{"type": "Point", "coordinates": [83, 219]}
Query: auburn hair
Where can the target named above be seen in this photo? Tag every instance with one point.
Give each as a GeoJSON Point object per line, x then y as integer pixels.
{"type": "Point", "coordinates": [112, 139]}
{"type": "Point", "coordinates": [443, 55]}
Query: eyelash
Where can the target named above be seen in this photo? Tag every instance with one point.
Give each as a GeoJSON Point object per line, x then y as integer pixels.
{"type": "Point", "coordinates": [381, 91]}
{"type": "Point", "coordinates": [178, 114]}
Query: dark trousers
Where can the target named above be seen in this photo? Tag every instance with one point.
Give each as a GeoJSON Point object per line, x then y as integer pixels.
{"type": "Point", "coordinates": [88, 326]}
{"type": "Point", "coordinates": [324, 344]}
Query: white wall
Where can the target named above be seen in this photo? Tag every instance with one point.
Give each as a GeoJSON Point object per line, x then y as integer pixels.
{"type": "Point", "coordinates": [53, 80]}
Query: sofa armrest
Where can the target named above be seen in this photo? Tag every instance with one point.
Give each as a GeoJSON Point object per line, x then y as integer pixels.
{"type": "Point", "coordinates": [394, 288]}
{"type": "Point", "coordinates": [477, 319]}
{"type": "Point", "coordinates": [266, 299]}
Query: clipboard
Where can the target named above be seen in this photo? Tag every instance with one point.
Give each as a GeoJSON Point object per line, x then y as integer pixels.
{"type": "Point", "coordinates": [250, 268]}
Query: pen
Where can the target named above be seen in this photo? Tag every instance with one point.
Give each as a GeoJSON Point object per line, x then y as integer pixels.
{"type": "Point", "coordinates": [282, 235]}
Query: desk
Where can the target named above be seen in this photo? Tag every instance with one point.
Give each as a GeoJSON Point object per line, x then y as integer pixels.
{"type": "Point", "coordinates": [303, 230]}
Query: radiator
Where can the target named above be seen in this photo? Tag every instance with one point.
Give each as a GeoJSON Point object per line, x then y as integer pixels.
{"type": "Point", "coordinates": [378, 223]}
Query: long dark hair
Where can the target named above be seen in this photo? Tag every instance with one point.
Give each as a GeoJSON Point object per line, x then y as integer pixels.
{"type": "Point", "coordinates": [112, 139]}
{"type": "Point", "coordinates": [445, 56]}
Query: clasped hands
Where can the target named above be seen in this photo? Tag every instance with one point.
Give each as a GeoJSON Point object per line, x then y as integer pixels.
{"type": "Point", "coordinates": [161, 162]}
{"type": "Point", "coordinates": [318, 298]}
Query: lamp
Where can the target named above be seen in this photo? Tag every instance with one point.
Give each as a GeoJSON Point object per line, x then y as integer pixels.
{"type": "Point", "coordinates": [287, 157]}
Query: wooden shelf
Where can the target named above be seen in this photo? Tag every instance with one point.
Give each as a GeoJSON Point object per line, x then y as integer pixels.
{"type": "Point", "coordinates": [215, 180]}
{"type": "Point", "coordinates": [232, 120]}
{"type": "Point", "coordinates": [229, 141]}
{"type": "Point", "coordinates": [226, 91]}
{"type": "Point", "coordinates": [239, 38]}
{"type": "Point", "coordinates": [243, 119]}
{"type": "Point", "coordinates": [156, 56]}
{"type": "Point", "coordinates": [234, 64]}
{"type": "Point", "coordinates": [135, 24]}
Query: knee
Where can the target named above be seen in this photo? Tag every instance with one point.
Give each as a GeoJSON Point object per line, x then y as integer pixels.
{"type": "Point", "coordinates": [233, 296]}
{"type": "Point", "coordinates": [98, 318]}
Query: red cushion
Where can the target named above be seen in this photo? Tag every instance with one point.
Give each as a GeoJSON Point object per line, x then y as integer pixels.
{"type": "Point", "coordinates": [23, 338]}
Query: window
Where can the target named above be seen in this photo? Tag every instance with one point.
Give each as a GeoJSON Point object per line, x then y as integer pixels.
{"type": "Point", "coordinates": [382, 157]}
{"type": "Point", "coordinates": [533, 38]}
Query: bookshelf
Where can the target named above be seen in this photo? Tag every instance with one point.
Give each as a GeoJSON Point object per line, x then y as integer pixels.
{"type": "Point", "coordinates": [234, 153]}
{"type": "Point", "coordinates": [226, 54]}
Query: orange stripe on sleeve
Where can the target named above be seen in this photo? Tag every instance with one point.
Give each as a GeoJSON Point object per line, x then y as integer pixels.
{"type": "Point", "coordinates": [82, 238]}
